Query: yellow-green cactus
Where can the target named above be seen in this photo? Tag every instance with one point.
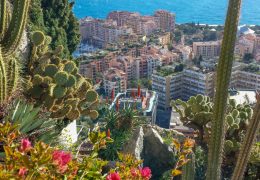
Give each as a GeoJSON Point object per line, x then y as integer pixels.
{"type": "Point", "coordinates": [224, 69]}
{"type": "Point", "coordinates": [57, 84]}
{"type": "Point", "coordinates": [11, 34]}
{"type": "Point", "coordinates": [248, 142]}
{"type": "Point", "coordinates": [11, 30]}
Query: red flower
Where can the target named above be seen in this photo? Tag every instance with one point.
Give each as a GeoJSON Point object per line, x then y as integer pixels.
{"type": "Point", "coordinates": [25, 145]}
{"type": "Point", "coordinates": [22, 171]}
{"type": "Point", "coordinates": [146, 173]}
{"type": "Point", "coordinates": [61, 159]}
{"type": "Point", "coordinates": [113, 176]}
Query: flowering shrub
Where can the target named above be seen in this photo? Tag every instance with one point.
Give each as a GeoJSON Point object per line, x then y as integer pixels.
{"type": "Point", "coordinates": [40, 161]}
{"type": "Point", "coordinates": [26, 160]}
{"type": "Point", "coordinates": [183, 151]}
{"type": "Point", "coordinates": [129, 168]}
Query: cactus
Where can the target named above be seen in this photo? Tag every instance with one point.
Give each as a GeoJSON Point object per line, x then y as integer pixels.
{"type": "Point", "coordinates": [57, 84]}
{"type": "Point", "coordinates": [9, 75]}
{"type": "Point", "coordinates": [11, 30]}
{"type": "Point", "coordinates": [10, 34]}
{"type": "Point", "coordinates": [188, 170]}
{"type": "Point", "coordinates": [245, 150]}
{"type": "Point", "coordinates": [220, 103]}
{"type": "Point", "coordinates": [197, 113]}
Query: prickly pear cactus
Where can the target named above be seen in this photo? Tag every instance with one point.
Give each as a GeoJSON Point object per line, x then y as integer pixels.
{"type": "Point", "coordinates": [57, 84]}
{"type": "Point", "coordinates": [197, 109]}
{"type": "Point", "coordinates": [197, 113]}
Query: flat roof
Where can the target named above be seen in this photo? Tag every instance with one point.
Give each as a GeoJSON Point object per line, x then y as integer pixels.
{"type": "Point", "coordinates": [241, 95]}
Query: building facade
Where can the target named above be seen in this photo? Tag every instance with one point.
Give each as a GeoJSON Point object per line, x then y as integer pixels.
{"type": "Point", "coordinates": [166, 20]}
{"type": "Point", "coordinates": [114, 80]}
{"type": "Point", "coordinates": [182, 85]}
{"type": "Point", "coordinates": [206, 50]}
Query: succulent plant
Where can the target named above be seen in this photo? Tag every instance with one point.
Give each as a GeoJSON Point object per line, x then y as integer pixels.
{"type": "Point", "coordinates": [188, 170]}
{"type": "Point", "coordinates": [217, 139]}
{"type": "Point", "coordinates": [57, 84]}
{"type": "Point", "coordinates": [197, 113]}
{"type": "Point", "coordinates": [245, 150]}
{"type": "Point", "coordinates": [11, 30]}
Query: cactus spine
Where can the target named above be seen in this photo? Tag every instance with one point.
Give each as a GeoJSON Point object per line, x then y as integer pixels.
{"type": "Point", "coordinates": [223, 77]}
{"type": "Point", "coordinates": [188, 170]}
{"type": "Point", "coordinates": [245, 150]}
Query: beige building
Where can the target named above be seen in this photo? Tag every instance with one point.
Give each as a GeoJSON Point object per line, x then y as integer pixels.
{"type": "Point", "coordinates": [245, 44]}
{"type": "Point", "coordinates": [244, 78]}
{"type": "Point", "coordinates": [101, 32]}
{"type": "Point", "coordinates": [114, 80]}
{"type": "Point", "coordinates": [165, 38]}
{"type": "Point", "coordinates": [166, 20]}
{"type": "Point", "coordinates": [207, 50]}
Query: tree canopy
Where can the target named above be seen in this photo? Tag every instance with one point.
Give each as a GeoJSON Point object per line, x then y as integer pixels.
{"type": "Point", "coordinates": [56, 19]}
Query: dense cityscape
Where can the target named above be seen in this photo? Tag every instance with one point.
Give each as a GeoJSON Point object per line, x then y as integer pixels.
{"type": "Point", "coordinates": [129, 96]}
{"type": "Point", "coordinates": [128, 50]}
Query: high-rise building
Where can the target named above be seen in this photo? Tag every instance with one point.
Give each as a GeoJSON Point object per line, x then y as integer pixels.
{"type": "Point", "coordinates": [172, 85]}
{"type": "Point", "coordinates": [101, 32]}
{"type": "Point", "coordinates": [166, 20]}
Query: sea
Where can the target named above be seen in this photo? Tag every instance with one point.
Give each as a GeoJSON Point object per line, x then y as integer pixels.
{"type": "Point", "coordinates": [211, 12]}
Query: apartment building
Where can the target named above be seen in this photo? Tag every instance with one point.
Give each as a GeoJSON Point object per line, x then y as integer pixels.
{"type": "Point", "coordinates": [114, 80]}
{"type": "Point", "coordinates": [245, 44]}
{"type": "Point", "coordinates": [207, 50]}
{"type": "Point", "coordinates": [92, 66]}
{"type": "Point", "coordinates": [167, 86]}
{"type": "Point", "coordinates": [166, 20]}
{"type": "Point", "coordinates": [181, 85]}
{"type": "Point", "coordinates": [246, 77]}
{"type": "Point", "coordinates": [101, 32]}
{"type": "Point", "coordinates": [196, 81]}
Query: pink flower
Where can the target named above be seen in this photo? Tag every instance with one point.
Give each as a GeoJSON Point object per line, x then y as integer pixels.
{"type": "Point", "coordinates": [146, 173]}
{"type": "Point", "coordinates": [25, 145]}
{"type": "Point", "coordinates": [113, 176]}
{"type": "Point", "coordinates": [22, 171]}
{"type": "Point", "coordinates": [61, 159]}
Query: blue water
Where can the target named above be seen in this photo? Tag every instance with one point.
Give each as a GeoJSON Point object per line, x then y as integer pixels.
{"type": "Point", "coordinates": [202, 11]}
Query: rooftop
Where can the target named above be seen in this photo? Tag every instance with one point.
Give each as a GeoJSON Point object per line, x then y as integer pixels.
{"type": "Point", "coordinates": [242, 96]}
{"type": "Point", "coordinates": [145, 102]}
{"type": "Point", "coordinates": [207, 43]}
{"type": "Point", "coordinates": [253, 68]}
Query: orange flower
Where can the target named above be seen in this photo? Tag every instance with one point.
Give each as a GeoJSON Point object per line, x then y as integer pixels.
{"type": "Point", "coordinates": [188, 143]}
